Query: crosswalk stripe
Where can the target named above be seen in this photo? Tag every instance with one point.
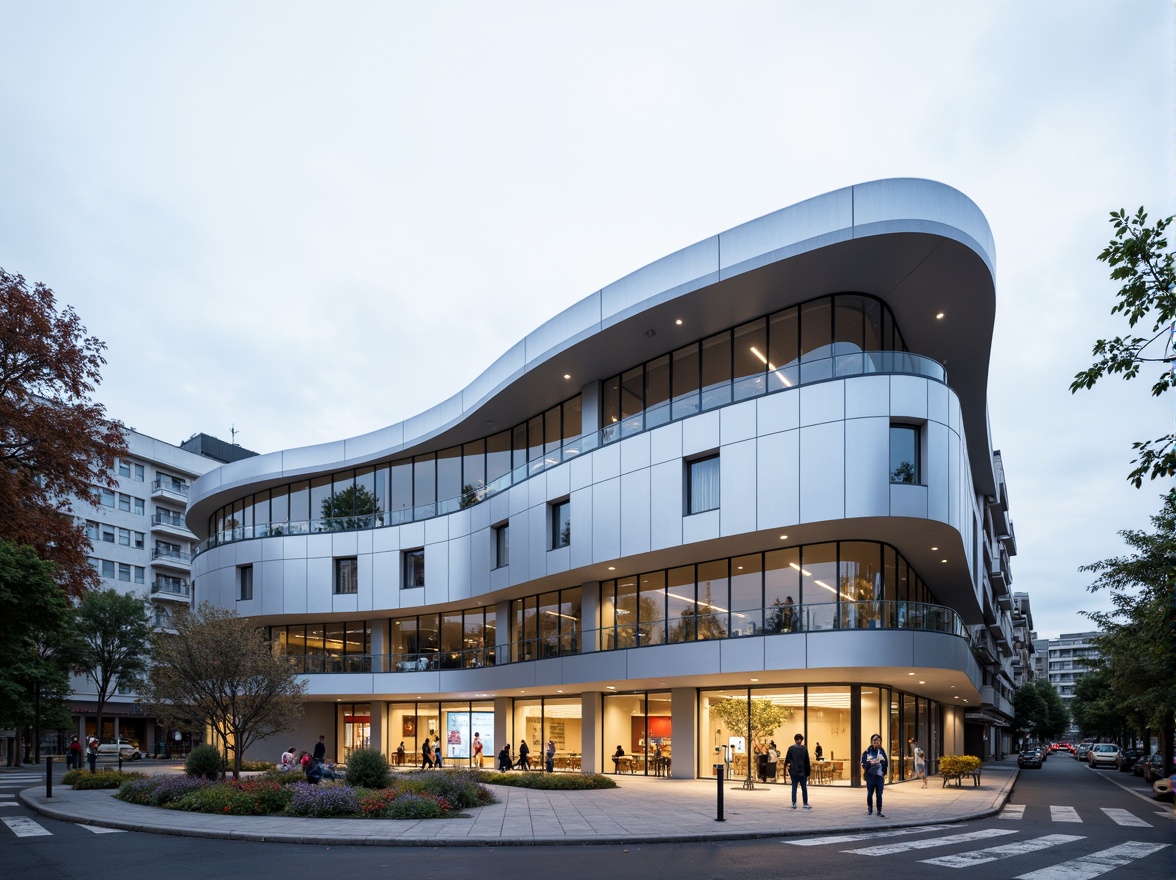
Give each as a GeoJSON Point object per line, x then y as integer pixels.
{"type": "Point", "coordinates": [1013, 811]}
{"type": "Point", "coordinates": [1096, 863]}
{"type": "Point", "coordinates": [22, 826]}
{"type": "Point", "coordinates": [1125, 817]}
{"type": "Point", "coordinates": [980, 856]}
{"type": "Point", "coordinates": [892, 848]}
{"type": "Point", "coordinates": [9, 804]}
{"type": "Point", "coordinates": [1064, 814]}
{"type": "Point", "coordinates": [97, 830]}
{"type": "Point", "coordinates": [870, 835]}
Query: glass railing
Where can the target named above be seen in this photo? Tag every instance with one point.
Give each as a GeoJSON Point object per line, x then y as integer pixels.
{"type": "Point", "coordinates": [771, 621]}
{"type": "Point", "coordinates": [712, 397]}
{"type": "Point", "coordinates": [165, 555]}
{"type": "Point", "coordinates": [163, 519]}
{"type": "Point", "coordinates": [170, 486]}
{"type": "Point", "coordinates": [171, 588]}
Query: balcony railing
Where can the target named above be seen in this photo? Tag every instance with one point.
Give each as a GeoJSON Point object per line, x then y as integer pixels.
{"type": "Point", "coordinates": [841, 366]}
{"type": "Point", "coordinates": [171, 587]}
{"type": "Point", "coordinates": [169, 519]}
{"type": "Point", "coordinates": [771, 621]}
{"type": "Point", "coordinates": [167, 485]}
{"type": "Point", "coordinates": [163, 554]}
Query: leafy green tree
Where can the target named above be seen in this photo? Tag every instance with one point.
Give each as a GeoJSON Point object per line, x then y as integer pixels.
{"type": "Point", "coordinates": [114, 629]}
{"type": "Point", "coordinates": [1039, 712]}
{"type": "Point", "coordinates": [753, 721]}
{"type": "Point", "coordinates": [352, 508]}
{"type": "Point", "coordinates": [1094, 707]}
{"type": "Point", "coordinates": [35, 643]}
{"type": "Point", "coordinates": [1138, 640]}
{"type": "Point", "coordinates": [220, 670]}
{"type": "Point", "coordinates": [55, 442]}
{"type": "Point", "coordinates": [1139, 257]}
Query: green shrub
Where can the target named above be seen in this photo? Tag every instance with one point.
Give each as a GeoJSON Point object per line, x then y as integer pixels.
{"type": "Point", "coordinates": [256, 766]}
{"type": "Point", "coordinates": [204, 761]}
{"type": "Point", "coordinates": [458, 788]}
{"type": "Point", "coordinates": [103, 779]}
{"type": "Point", "coordinates": [368, 768]}
{"type": "Point", "coordinates": [282, 777]}
{"type": "Point", "coordinates": [415, 806]}
{"type": "Point", "coordinates": [233, 800]}
{"type": "Point", "coordinates": [550, 781]}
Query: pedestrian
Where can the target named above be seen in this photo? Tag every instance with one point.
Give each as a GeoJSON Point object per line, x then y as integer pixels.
{"type": "Point", "coordinates": [320, 749]}
{"type": "Point", "coordinates": [920, 762]}
{"type": "Point", "coordinates": [504, 759]}
{"type": "Point", "coordinates": [426, 755]}
{"type": "Point", "coordinates": [524, 755]}
{"type": "Point", "coordinates": [92, 754]}
{"type": "Point", "coordinates": [400, 754]}
{"type": "Point", "coordinates": [798, 765]}
{"type": "Point", "coordinates": [437, 752]}
{"type": "Point", "coordinates": [819, 752]}
{"type": "Point", "coordinates": [74, 755]}
{"type": "Point", "coordinates": [874, 764]}
{"type": "Point", "coordinates": [477, 750]}
{"type": "Point", "coordinates": [286, 762]}
{"type": "Point", "coordinates": [549, 757]}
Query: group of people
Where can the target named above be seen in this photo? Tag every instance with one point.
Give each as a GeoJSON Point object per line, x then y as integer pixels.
{"type": "Point", "coordinates": [314, 764]}
{"type": "Point", "coordinates": [523, 761]}
{"type": "Point", "coordinates": [73, 754]}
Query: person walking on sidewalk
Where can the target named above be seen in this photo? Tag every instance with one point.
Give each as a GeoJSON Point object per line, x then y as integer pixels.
{"type": "Point", "coordinates": [874, 764]}
{"type": "Point", "coordinates": [796, 762]}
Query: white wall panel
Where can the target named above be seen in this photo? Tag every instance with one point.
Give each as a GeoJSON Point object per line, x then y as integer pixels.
{"type": "Point", "coordinates": [700, 434]}
{"type": "Point", "coordinates": [460, 574]}
{"type": "Point", "coordinates": [581, 477]}
{"type": "Point", "coordinates": [939, 399]}
{"type": "Point", "coordinates": [665, 443]}
{"type": "Point", "coordinates": [436, 530]}
{"type": "Point", "coordinates": [937, 474]}
{"type": "Point", "coordinates": [321, 544]}
{"type": "Point", "coordinates": [823, 402]}
{"type": "Point", "coordinates": [386, 579]}
{"type": "Point", "coordinates": [737, 422]}
{"type": "Point", "coordinates": [270, 585]}
{"type": "Point", "coordinates": [584, 512]}
{"type": "Point", "coordinates": [700, 527]}
{"type": "Point", "coordinates": [634, 453]}
{"type": "Point", "coordinates": [482, 559]}
{"type": "Point", "coordinates": [908, 397]}
{"type": "Point", "coordinates": [822, 477]}
{"type": "Point", "coordinates": [320, 583]}
{"type": "Point", "coordinates": [606, 463]}
{"type": "Point", "coordinates": [907, 500]}
{"type": "Point", "coordinates": [665, 501]}
{"type": "Point", "coordinates": [786, 651]}
{"type": "Point", "coordinates": [635, 514]}
{"type": "Point", "coordinates": [778, 485]}
{"type": "Point", "coordinates": [742, 655]}
{"type": "Point", "coordinates": [867, 462]}
{"type": "Point", "coordinates": [738, 487]}
{"type": "Point", "coordinates": [778, 412]}
{"type": "Point", "coordinates": [559, 481]}
{"type": "Point", "coordinates": [604, 540]}
{"type": "Point", "coordinates": [294, 585]}
{"type": "Point", "coordinates": [867, 396]}
{"type": "Point", "coordinates": [436, 574]}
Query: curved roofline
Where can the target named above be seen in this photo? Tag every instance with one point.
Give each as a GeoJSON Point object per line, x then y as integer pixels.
{"type": "Point", "coordinates": [844, 225]}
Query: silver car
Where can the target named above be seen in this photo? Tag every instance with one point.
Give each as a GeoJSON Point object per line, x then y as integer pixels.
{"type": "Point", "coordinates": [1103, 755]}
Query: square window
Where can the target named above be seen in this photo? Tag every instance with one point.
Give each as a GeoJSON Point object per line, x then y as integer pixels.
{"type": "Point", "coordinates": [702, 484]}
{"type": "Point", "coordinates": [414, 568]}
{"type": "Point", "coordinates": [502, 545]}
{"type": "Point", "coordinates": [93, 530]}
{"type": "Point", "coordinates": [245, 581]}
{"type": "Point", "coordinates": [104, 497]}
{"type": "Point", "coordinates": [561, 524]}
{"type": "Point", "coordinates": [904, 454]}
{"type": "Point", "coordinates": [346, 575]}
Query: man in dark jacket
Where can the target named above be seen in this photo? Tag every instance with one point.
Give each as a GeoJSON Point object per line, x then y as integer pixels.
{"type": "Point", "coordinates": [796, 762]}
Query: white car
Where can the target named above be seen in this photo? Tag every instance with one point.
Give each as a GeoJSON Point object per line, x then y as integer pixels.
{"type": "Point", "coordinates": [121, 749]}
{"type": "Point", "coordinates": [1103, 755]}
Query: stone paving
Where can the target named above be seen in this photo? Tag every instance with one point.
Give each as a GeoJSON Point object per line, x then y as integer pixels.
{"type": "Point", "coordinates": [640, 810]}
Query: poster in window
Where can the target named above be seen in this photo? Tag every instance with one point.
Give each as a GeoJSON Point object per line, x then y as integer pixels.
{"type": "Point", "coordinates": [409, 728]}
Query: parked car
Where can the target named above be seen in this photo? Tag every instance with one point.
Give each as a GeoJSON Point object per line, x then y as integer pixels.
{"type": "Point", "coordinates": [1029, 758]}
{"type": "Point", "coordinates": [1153, 768]}
{"type": "Point", "coordinates": [1128, 758]}
{"type": "Point", "coordinates": [1103, 755]}
{"type": "Point", "coordinates": [128, 751]}
{"type": "Point", "coordinates": [1080, 752]}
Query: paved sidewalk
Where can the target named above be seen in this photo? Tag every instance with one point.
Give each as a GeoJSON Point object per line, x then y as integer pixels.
{"type": "Point", "coordinates": [640, 810]}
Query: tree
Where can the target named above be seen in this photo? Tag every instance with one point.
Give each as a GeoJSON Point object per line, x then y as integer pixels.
{"type": "Point", "coordinates": [220, 670]}
{"type": "Point", "coordinates": [35, 643]}
{"type": "Point", "coordinates": [1138, 640]}
{"type": "Point", "coordinates": [1140, 258]}
{"type": "Point", "coordinates": [1094, 707]}
{"type": "Point", "coordinates": [352, 508]}
{"type": "Point", "coordinates": [754, 720]}
{"type": "Point", "coordinates": [55, 442]}
{"type": "Point", "coordinates": [114, 629]}
{"type": "Point", "coordinates": [1039, 711]}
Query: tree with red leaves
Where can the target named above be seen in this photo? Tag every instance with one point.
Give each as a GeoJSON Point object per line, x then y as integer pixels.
{"type": "Point", "coordinates": [55, 442]}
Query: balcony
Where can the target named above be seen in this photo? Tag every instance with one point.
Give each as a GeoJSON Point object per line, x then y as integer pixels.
{"type": "Point", "coordinates": [169, 489]}
{"type": "Point", "coordinates": [170, 523]}
{"type": "Point", "coordinates": [164, 556]}
{"type": "Point", "coordinates": [174, 589]}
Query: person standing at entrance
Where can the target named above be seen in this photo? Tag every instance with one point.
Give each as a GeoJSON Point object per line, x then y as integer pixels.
{"type": "Point", "coordinates": [74, 755]}
{"type": "Point", "coordinates": [320, 749]}
{"type": "Point", "coordinates": [797, 763]}
{"type": "Point", "coordinates": [920, 762]}
{"type": "Point", "coordinates": [92, 755]}
{"type": "Point", "coordinates": [874, 764]}
{"type": "Point", "coordinates": [478, 750]}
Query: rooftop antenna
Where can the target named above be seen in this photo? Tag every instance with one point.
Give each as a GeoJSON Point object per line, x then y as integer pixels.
{"type": "Point", "coordinates": [233, 432]}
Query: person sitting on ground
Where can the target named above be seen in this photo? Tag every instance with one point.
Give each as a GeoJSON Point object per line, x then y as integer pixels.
{"type": "Point", "coordinates": [314, 771]}
{"type": "Point", "coordinates": [303, 760]}
{"type": "Point", "coordinates": [286, 762]}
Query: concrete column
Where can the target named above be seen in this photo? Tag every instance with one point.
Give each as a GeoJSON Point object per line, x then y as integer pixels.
{"type": "Point", "coordinates": [378, 728]}
{"type": "Point", "coordinates": [589, 617]}
{"type": "Point", "coordinates": [590, 408]}
{"type": "Point", "coordinates": [502, 636]}
{"type": "Point", "coordinates": [684, 714]}
{"type": "Point", "coordinates": [379, 646]}
{"type": "Point", "coordinates": [502, 721]}
{"type": "Point", "coordinates": [591, 714]}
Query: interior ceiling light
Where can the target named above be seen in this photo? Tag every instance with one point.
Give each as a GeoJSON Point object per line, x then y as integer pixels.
{"type": "Point", "coordinates": [922, 682]}
{"type": "Point", "coordinates": [934, 548]}
{"type": "Point", "coordinates": [783, 537]}
{"type": "Point", "coordinates": [939, 316]}
{"type": "Point", "coordinates": [771, 367]}
{"type": "Point", "coordinates": [943, 560]}
{"type": "Point", "coordinates": [567, 375]}
{"type": "Point", "coordinates": [679, 322]}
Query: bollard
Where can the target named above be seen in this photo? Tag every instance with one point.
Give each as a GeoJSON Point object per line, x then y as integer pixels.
{"type": "Point", "coordinates": [48, 776]}
{"type": "Point", "coordinates": [718, 768]}
{"type": "Point", "coordinates": [120, 761]}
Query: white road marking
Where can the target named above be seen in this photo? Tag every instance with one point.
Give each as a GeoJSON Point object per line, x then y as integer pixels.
{"type": "Point", "coordinates": [1064, 814]}
{"type": "Point", "coordinates": [871, 835]}
{"type": "Point", "coordinates": [892, 848]}
{"type": "Point", "coordinates": [1096, 863]}
{"type": "Point", "coordinates": [9, 804]}
{"type": "Point", "coordinates": [980, 856]}
{"type": "Point", "coordinates": [98, 830]}
{"type": "Point", "coordinates": [1123, 817]}
{"type": "Point", "coordinates": [1013, 811]}
{"type": "Point", "coordinates": [22, 826]}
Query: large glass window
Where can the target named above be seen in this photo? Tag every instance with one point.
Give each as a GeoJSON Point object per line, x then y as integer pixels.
{"type": "Point", "coordinates": [685, 381]}
{"type": "Point", "coordinates": [716, 370]}
{"type": "Point", "coordinates": [561, 524]}
{"type": "Point", "coordinates": [703, 484]}
{"type": "Point", "coordinates": [346, 575]}
{"type": "Point", "coordinates": [904, 454]}
{"type": "Point", "coordinates": [713, 608]}
{"type": "Point", "coordinates": [414, 568]}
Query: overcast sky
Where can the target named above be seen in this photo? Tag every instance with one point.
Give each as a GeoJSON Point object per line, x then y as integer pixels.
{"type": "Point", "coordinates": [312, 220]}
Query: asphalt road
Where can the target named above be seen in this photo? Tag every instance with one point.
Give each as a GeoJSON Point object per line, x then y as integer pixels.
{"type": "Point", "coordinates": [1063, 822]}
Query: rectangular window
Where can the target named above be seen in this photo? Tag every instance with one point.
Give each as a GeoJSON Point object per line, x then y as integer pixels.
{"type": "Point", "coordinates": [561, 524]}
{"type": "Point", "coordinates": [108, 533]}
{"type": "Point", "coordinates": [107, 569]}
{"type": "Point", "coordinates": [702, 484]}
{"type": "Point", "coordinates": [414, 568]}
{"type": "Point", "coordinates": [138, 540]}
{"type": "Point", "coordinates": [124, 502]}
{"type": "Point", "coordinates": [124, 537]}
{"type": "Point", "coordinates": [93, 530]}
{"type": "Point", "coordinates": [139, 475]}
{"type": "Point", "coordinates": [124, 572]}
{"type": "Point", "coordinates": [904, 454]}
{"type": "Point", "coordinates": [245, 581]}
{"type": "Point", "coordinates": [140, 574]}
{"type": "Point", "coordinates": [502, 545]}
{"type": "Point", "coordinates": [104, 497]}
{"type": "Point", "coordinates": [346, 575]}
{"type": "Point", "coordinates": [124, 468]}
{"type": "Point", "coordinates": [139, 506]}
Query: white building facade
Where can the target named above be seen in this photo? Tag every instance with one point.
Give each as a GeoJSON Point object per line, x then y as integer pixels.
{"type": "Point", "coordinates": [757, 469]}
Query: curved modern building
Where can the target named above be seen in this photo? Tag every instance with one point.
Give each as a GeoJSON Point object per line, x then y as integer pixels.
{"type": "Point", "coordinates": [753, 477]}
